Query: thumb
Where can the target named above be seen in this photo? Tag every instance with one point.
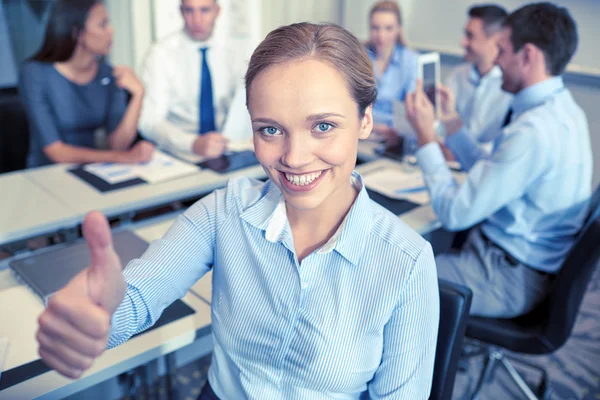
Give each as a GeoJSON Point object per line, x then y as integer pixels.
{"type": "Point", "coordinates": [419, 86]}
{"type": "Point", "coordinates": [409, 104]}
{"type": "Point", "coordinates": [442, 90]}
{"type": "Point", "coordinates": [104, 277]}
{"type": "Point", "coordinates": [96, 232]}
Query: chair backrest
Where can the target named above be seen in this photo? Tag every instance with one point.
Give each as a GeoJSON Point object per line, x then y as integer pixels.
{"type": "Point", "coordinates": [571, 283]}
{"type": "Point", "coordinates": [14, 132]}
{"type": "Point", "coordinates": [455, 302]}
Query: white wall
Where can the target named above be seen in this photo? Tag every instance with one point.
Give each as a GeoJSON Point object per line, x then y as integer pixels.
{"type": "Point", "coordinates": [119, 12]}
{"type": "Point", "coordinates": [438, 24]}
{"type": "Point", "coordinates": [284, 12]}
{"type": "Point", "coordinates": [139, 23]}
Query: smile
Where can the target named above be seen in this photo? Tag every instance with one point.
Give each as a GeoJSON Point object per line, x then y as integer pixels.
{"type": "Point", "coordinates": [301, 183]}
{"type": "Point", "coordinates": [302, 180]}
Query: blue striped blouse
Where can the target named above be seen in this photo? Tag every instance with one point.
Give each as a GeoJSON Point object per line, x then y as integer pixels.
{"type": "Point", "coordinates": [361, 313]}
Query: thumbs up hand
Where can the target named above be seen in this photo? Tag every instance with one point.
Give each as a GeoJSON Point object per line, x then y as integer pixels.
{"type": "Point", "coordinates": [74, 328]}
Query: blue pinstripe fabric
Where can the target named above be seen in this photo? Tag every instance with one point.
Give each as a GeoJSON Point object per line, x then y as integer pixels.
{"type": "Point", "coordinates": [362, 315]}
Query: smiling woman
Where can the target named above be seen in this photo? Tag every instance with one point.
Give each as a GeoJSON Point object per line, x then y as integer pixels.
{"type": "Point", "coordinates": [318, 292]}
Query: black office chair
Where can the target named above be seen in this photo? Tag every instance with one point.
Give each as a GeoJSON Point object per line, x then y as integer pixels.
{"type": "Point", "coordinates": [14, 132]}
{"type": "Point", "coordinates": [549, 325]}
{"type": "Point", "coordinates": [455, 302]}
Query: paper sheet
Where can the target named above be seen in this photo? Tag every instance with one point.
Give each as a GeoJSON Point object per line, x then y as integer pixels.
{"type": "Point", "coordinates": [160, 168]}
{"type": "Point", "coordinates": [112, 172]}
{"type": "Point", "coordinates": [397, 183]}
{"type": "Point", "coordinates": [163, 167]}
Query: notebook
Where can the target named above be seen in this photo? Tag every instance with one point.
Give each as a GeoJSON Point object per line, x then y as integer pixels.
{"type": "Point", "coordinates": [47, 272]}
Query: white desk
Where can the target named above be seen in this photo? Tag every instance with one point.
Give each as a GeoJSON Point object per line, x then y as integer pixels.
{"type": "Point", "coordinates": [422, 219]}
{"type": "Point", "coordinates": [27, 210]}
{"type": "Point", "coordinates": [81, 198]}
{"type": "Point", "coordinates": [137, 351]}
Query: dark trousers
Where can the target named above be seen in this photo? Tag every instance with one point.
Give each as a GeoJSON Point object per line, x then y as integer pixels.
{"type": "Point", "coordinates": [207, 393]}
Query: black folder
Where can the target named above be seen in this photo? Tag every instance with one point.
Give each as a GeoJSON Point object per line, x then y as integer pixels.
{"type": "Point", "coordinates": [49, 271]}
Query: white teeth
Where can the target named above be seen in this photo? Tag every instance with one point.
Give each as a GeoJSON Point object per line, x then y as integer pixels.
{"type": "Point", "coordinates": [303, 180]}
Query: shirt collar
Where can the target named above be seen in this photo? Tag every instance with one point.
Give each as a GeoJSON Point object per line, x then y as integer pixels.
{"type": "Point", "coordinates": [259, 213]}
{"type": "Point", "coordinates": [196, 44]}
{"type": "Point", "coordinates": [269, 214]}
{"type": "Point", "coordinates": [537, 94]}
{"type": "Point", "coordinates": [397, 55]}
{"type": "Point", "coordinates": [476, 79]}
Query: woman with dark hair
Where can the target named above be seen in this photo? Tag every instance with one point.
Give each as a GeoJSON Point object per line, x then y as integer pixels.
{"type": "Point", "coordinates": [394, 65]}
{"type": "Point", "coordinates": [318, 291]}
{"type": "Point", "coordinates": [70, 92]}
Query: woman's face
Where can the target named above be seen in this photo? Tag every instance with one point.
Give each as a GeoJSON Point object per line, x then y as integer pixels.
{"type": "Point", "coordinates": [97, 35]}
{"type": "Point", "coordinates": [306, 129]}
{"type": "Point", "coordinates": [384, 30]}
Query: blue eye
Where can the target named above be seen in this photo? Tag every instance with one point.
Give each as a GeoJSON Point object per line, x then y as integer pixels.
{"type": "Point", "coordinates": [270, 131]}
{"type": "Point", "coordinates": [324, 127]}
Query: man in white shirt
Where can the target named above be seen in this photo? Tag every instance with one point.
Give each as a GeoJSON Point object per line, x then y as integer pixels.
{"type": "Point", "coordinates": [476, 85]}
{"type": "Point", "coordinates": [190, 84]}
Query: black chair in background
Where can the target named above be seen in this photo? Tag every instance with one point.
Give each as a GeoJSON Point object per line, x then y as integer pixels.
{"type": "Point", "coordinates": [549, 325]}
{"type": "Point", "coordinates": [455, 302]}
{"type": "Point", "coordinates": [14, 132]}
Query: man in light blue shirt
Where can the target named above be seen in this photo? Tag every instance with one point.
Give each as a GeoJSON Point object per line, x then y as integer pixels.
{"type": "Point", "coordinates": [476, 85]}
{"type": "Point", "coordinates": [530, 195]}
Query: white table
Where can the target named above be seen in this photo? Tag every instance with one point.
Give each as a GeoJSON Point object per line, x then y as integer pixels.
{"type": "Point", "coordinates": [137, 351]}
{"type": "Point", "coordinates": [81, 198]}
{"type": "Point", "coordinates": [27, 210]}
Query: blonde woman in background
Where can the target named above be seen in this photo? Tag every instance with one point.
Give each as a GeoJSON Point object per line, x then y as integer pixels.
{"type": "Point", "coordinates": [394, 64]}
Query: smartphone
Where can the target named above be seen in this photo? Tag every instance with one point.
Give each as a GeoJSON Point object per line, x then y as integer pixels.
{"type": "Point", "coordinates": [429, 73]}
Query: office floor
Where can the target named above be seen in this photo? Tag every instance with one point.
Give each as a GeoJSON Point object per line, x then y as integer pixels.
{"type": "Point", "coordinates": [574, 369]}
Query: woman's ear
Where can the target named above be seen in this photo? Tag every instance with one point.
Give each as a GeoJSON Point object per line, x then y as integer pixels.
{"type": "Point", "coordinates": [366, 124]}
{"type": "Point", "coordinates": [76, 35]}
